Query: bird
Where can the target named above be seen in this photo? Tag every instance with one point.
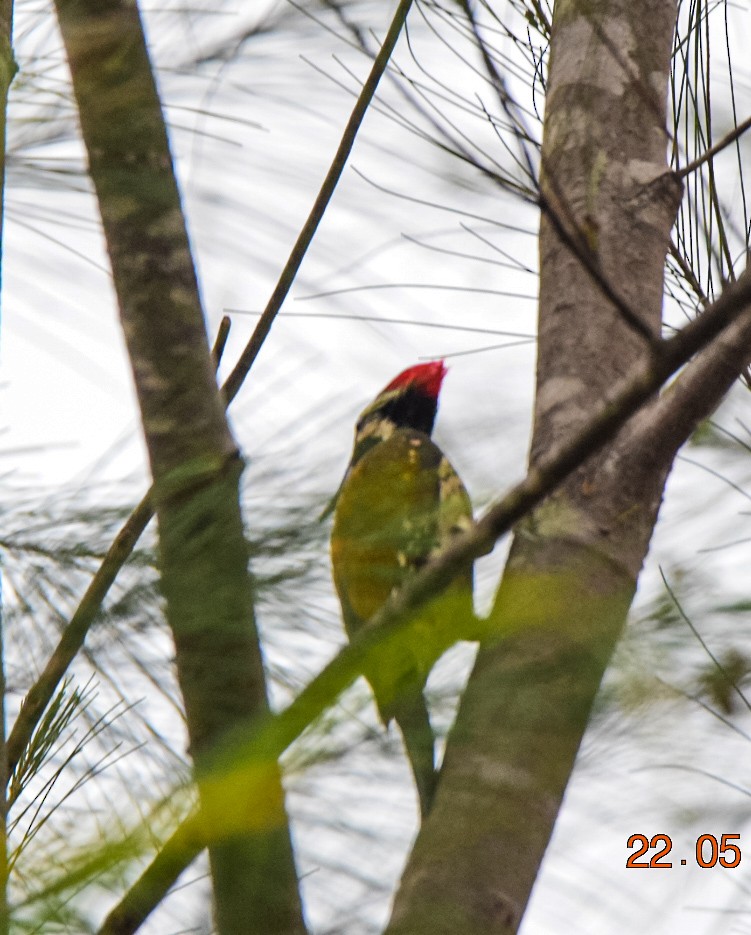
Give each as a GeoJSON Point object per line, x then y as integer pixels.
{"type": "Point", "coordinates": [399, 504]}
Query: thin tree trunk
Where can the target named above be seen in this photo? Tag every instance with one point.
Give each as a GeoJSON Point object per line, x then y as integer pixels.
{"type": "Point", "coordinates": [194, 461]}
{"type": "Point", "coordinates": [8, 70]}
{"type": "Point", "coordinates": [573, 567]}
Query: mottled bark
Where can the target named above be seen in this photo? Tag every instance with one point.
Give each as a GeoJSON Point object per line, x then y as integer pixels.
{"type": "Point", "coordinates": [512, 749]}
{"type": "Point", "coordinates": [194, 461]}
{"type": "Point", "coordinates": [574, 562]}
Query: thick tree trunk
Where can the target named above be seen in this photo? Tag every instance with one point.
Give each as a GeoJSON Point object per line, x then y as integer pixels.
{"type": "Point", "coordinates": [606, 190]}
{"type": "Point", "coordinates": [194, 461]}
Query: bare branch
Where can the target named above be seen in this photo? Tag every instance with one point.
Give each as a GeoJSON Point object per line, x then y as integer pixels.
{"type": "Point", "coordinates": [220, 343]}
{"type": "Point", "coordinates": [707, 156]}
{"type": "Point", "coordinates": [305, 237]}
{"type": "Point", "coordinates": [695, 394]}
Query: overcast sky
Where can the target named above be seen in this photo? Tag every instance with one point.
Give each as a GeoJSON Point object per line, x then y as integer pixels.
{"type": "Point", "coordinates": [413, 235]}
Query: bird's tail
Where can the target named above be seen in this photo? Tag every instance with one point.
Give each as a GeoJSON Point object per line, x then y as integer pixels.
{"type": "Point", "coordinates": [411, 714]}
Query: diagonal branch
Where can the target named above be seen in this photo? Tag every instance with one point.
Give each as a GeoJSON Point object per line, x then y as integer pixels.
{"type": "Point", "coordinates": [305, 237]}
{"type": "Point", "coordinates": [707, 156]}
{"type": "Point", "coordinates": [694, 395]}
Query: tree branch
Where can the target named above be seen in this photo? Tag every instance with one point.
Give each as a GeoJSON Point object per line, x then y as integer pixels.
{"type": "Point", "coordinates": [694, 395]}
{"type": "Point", "coordinates": [707, 156]}
{"type": "Point", "coordinates": [305, 237]}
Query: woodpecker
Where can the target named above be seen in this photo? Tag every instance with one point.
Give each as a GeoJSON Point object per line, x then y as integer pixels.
{"type": "Point", "coordinates": [399, 503]}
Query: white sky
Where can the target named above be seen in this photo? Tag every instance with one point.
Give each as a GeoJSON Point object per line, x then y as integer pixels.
{"type": "Point", "coordinates": [255, 135]}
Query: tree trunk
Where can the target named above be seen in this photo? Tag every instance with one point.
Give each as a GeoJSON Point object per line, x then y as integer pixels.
{"type": "Point", "coordinates": [194, 460]}
{"type": "Point", "coordinates": [8, 68]}
{"type": "Point", "coordinates": [609, 203]}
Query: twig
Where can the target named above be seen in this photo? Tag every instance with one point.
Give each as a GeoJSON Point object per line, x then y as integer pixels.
{"type": "Point", "coordinates": [688, 273]}
{"type": "Point", "coordinates": [221, 340]}
{"type": "Point", "coordinates": [695, 393]}
{"type": "Point", "coordinates": [726, 141]}
{"type": "Point", "coordinates": [305, 237]}
{"type": "Point", "coordinates": [690, 624]}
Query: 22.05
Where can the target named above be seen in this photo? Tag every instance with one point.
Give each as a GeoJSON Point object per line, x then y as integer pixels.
{"type": "Point", "coordinates": [709, 852]}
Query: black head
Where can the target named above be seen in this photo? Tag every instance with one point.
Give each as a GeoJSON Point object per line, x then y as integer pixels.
{"type": "Point", "coordinates": [409, 401]}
